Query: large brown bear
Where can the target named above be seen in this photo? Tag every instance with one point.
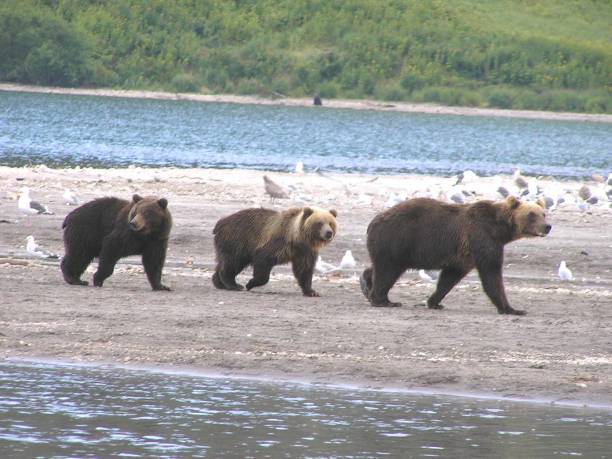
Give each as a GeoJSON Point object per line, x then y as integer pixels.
{"type": "Point", "coordinates": [265, 238]}
{"type": "Point", "coordinates": [112, 228]}
{"type": "Point", "coordinates": [455, 238]}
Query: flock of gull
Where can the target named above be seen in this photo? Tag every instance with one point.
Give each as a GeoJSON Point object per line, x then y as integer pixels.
{"type": "Point", "coordinates": [465, 187]}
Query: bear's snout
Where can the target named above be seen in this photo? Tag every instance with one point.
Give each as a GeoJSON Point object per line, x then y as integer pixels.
{"type": "Point", "coordinates": [135, 224]}
{"type": "Point", "coordinates": [547, 229]}
{"type": "Point", "coordinates": [328, 235]}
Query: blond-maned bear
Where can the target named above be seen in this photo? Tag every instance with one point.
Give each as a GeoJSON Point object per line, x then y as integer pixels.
{"type": "Point", "coordinates": [265, 238]}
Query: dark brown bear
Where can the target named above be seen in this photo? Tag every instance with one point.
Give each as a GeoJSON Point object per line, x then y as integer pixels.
{"type": "Point", "coordinates": [455, 238]}
{"type": "Point", "coordinates": [112, 228]}
{"type": "Point", "coordinates": [265, 238]}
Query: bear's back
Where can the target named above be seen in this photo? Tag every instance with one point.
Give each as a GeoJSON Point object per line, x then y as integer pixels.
{"type": "Point", "coordinates": [97, 216]}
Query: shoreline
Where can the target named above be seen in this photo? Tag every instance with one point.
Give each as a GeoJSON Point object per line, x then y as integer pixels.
{"type": "Point", "coordinates": [306, 380]}
{"type": "Point", "coordinates": [559, 352]}
{"type": "Point", "coordinates": [361, 104]}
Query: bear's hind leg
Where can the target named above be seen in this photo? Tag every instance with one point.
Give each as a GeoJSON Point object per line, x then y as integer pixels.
{"type": "Point", "coordinates": [73, 268]}
{"type": "Point", "coordinates": [365, 282]}
{"type": "Point", "coordinates": [261, 275]}
{"type": "Point", "coordinates": [449, 277]}
{"type": "Point", "coordinates": [383, 278]}
{"type": "Point", "coordinates": [225, 276]}
{"type": "Point", "coordinates": [216, 280]}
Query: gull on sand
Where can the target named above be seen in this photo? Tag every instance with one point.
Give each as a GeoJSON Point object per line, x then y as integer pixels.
{"type": "Point", "coordinates": [28, 206]}
{"type": "Point", "coordinates": [70, 197]}
{"type": "Point", "coordinates": [274, 189]}
{"type": "Point", "coordinates": [565, 274]}
{"type": "Point", "coordinates": [34, 249]}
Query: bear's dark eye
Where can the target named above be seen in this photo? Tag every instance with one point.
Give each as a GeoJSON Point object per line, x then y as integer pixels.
{"type": "Point", "coordinates": [532, 216]}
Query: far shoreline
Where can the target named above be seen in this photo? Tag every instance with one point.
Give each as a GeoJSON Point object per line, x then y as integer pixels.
{"type": "Point", "coordinates": [356, 104]}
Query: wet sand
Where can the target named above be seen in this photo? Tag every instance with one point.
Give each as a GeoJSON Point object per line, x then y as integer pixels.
{"type": "Point", "coordinates": [351, 104]}
{"type": "Point", "coordinates": [562, 350]}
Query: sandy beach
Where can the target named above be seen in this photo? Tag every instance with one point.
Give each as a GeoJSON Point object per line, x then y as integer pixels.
{"type": "Point", "coordinates": [350, 104]}
{"type": "Point", "coordinates": [562, 350]}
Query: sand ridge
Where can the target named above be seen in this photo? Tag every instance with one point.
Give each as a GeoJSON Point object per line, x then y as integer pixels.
{"type": "Point", "coordinates": [561, 350]}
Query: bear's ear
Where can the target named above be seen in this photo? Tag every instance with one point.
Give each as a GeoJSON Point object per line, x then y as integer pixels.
{"type": "Point", "coordinates": [334, 212]}
{"type": "Point", "coordinates": [540, 202]}
{"type": "Point", "coordinates": [307, 212]}
{"type": "Point", "coordinates": [513, 203]}
{"type": "Point", "coordinates": [163, 203]}
{"type": "Point", "coordinates": [136, 198]}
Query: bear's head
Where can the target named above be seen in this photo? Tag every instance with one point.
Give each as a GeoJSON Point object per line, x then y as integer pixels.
{"type": "Point", "coordinates": [318, 226]}
{"type": "Point", "coordinates": [149, 216]}
{"type": "Point", "coordinates": [528, 218]}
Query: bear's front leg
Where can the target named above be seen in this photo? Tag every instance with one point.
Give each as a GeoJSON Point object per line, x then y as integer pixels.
{"type": "Point", "coordinates": [109, 256]}
{"type": "Point", "coordinates": [153, 259]}
{"type": "Point", "coordinates": [448, 278]}
{"type": "Point", "coordinates": [303, 269]}
{"type": "Point", "coordinates": [490, 271]}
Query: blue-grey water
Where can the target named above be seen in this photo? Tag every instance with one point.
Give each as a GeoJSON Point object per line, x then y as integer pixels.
{"type": "Point", "coordinates": [61, 130]}
{"type": "Point", "coordinates": [66, 411]}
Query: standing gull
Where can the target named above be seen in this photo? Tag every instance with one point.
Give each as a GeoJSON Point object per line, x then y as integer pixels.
{"type": "Point", "coordinates": [70, 198]}
{"type": "Point", "coordinates": [466, 177]}
{"type": "Point", "coordinates": [519, 180]}
{"type": "Point", "coordinates": [564, 272]}
{"type": "Point", "coordinates": [324, 267]}
{"type": "Point", "coordinates": [348, 261]}
{"type": "Point", "coordinates": [28, 206]}
{"type": "Point", "coordinates": [428, 276]}
{"type": "Point", "coordinates": [34, 249]}
{"type": "Point", "coordinates": [274, 189]}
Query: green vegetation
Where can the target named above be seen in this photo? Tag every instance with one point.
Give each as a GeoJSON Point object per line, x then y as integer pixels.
{"type": "Point", "coordinates": [526, 54]}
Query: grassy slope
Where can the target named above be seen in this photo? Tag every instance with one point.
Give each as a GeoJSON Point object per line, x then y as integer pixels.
{"type": "Point", "coordinates": [539, 54]}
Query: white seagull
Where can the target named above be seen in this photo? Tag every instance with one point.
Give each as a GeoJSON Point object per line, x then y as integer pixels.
{"type": "Point", "coordinates": [564, 272]}
{"type": "Point", "coordinates": [324, 267]}
{"type": "Point", "coordinates": [34, 249]}
{"type": "Point", "coordinates": [519, 180]}
{"type": "Point", "coordinates": [299, 167]}
{"type": "Point", "coordinates": [28, 206]}
{"type": "Point", "coordinates": [466, 176]}
{"type": "Point", "coordinates": [393, 200]}
{"type": "Point", "coordinates": [428, 276]}
{"type": "Point", "coordinates": [70, 197]}
{"type": "Point", "coordinates": [348, 262]}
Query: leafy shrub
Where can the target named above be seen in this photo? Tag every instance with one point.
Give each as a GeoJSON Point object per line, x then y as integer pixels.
{"type": "Point", "coordinates": [500, 98]}
{"type": "Point", "coordinates": [185, 82]}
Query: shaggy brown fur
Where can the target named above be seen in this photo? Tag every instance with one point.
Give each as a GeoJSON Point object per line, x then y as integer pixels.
{"type": "Point", "coordinates": [265, 238]}
{"type": "Point", "coordinates": [112, 228]}
{"type": "Point", "coordinates": [455, 238]}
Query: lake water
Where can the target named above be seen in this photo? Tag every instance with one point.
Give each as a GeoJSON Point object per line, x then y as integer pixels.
{"type": "Point", "coordinates": [61, 411]}
{"type": "Point", "coordinates": [59, 130]}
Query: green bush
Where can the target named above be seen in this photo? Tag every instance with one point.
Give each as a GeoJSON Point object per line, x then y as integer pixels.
{"type": "Point", "coordinates": [328, 90]}
{"type": "Point", "coordinates": [185, 82]}
{"type": "Point", "coordinates": [37, 46]}
{"type": "Point", "coordinates": [598, 105]}
{"type": "Point", "coordinates": [500, 98]}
